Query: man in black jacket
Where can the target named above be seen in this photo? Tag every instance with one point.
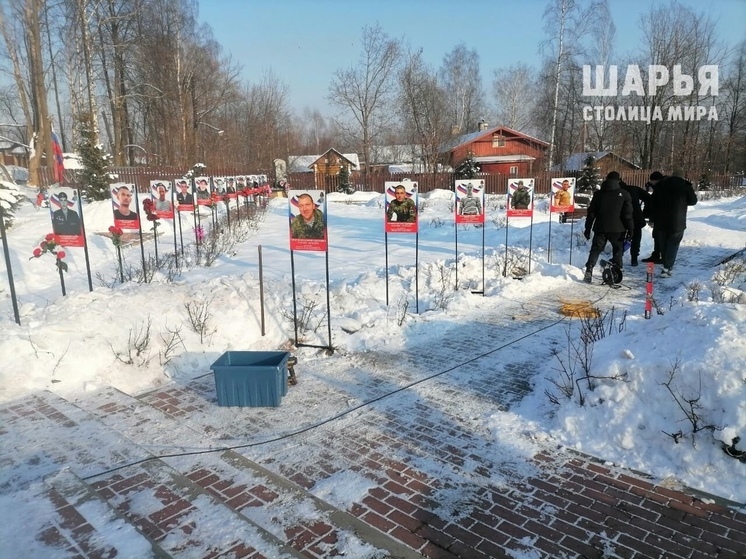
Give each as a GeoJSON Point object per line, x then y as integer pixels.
{"type": "Point", "coordinates": [655, 178]}
{"type": "Point", "coordinates": [640, 198]}
{"type": "Point", "coordinates": [610, 218]}
{"type": "Point", "coordinates": [671, 198]}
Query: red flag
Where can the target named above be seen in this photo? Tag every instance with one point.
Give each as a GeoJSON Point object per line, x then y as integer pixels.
{"type": "Point", "coordinates": [59, 166]}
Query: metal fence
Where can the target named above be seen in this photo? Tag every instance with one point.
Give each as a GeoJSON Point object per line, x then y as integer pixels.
{"type": "Point", "coordinates": [374, 182]}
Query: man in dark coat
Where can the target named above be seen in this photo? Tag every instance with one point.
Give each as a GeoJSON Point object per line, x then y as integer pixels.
{"type": "Point", "coordinates": [640, 198]}
{"type": "Point", "coordinates": [655, 178]}
{"type": "Point", "coordinates": [671, 198]}
{"type": "Point", "coordinates": [610, 218]}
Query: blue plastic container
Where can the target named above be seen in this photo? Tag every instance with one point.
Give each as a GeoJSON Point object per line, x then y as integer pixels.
{"type": "Point", "coordinates": [251, 378]}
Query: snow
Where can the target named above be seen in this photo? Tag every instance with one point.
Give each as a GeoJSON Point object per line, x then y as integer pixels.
{"type": "Point", "coordinates": [77, 344]}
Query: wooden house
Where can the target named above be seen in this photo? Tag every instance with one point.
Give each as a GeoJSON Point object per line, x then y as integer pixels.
{"type": "Point", "coordinates": [606, 161]}
{"type": "Point", "coordinates": [330, 163]}
{"type": "Point", "coordinates": [500, 150]}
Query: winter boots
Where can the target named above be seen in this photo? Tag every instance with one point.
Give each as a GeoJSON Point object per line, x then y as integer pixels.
{"type": "Point", "coordinates": [588, 276]}
{"type": "Point", "coordinates": [655, 257]}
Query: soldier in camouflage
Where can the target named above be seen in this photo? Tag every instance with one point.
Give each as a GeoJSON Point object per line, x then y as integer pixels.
{"type": "Point", "coordinates": [521, 198]}
{"type": "Point", "coordinates": [402, 209]}
{"type": "Point", "coordinates": [309, 224]}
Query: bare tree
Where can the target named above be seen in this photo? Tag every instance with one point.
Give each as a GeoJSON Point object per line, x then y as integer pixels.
{"type": "Point", "coordinates": [29, 74]}
{"type": "Point", "coordinates": [461, 80]}
{"type": "Point", "coordinates": [514, 91]}
{"type": "Point", "coordinates": [600, 51]}
{"type": "Point", "coordinates": [423, 106]}
{"type": "Point", "coordinates": [734, 114]}
{"type": "Point", "coordinates": [673, 35]}
{"type": "Point", "coordinates": [365, 89]}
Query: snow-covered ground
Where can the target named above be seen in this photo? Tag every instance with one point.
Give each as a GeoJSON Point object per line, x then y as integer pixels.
{"type": "Point", "coordinates": [681, 371]}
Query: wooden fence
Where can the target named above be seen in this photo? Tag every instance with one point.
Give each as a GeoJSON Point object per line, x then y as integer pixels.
{"type": "Point", "coordinates": [375, 182]}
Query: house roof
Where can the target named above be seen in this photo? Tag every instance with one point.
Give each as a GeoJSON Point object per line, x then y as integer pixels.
{"type": "Point", "coordinates": [396, 154]}
{"type": "Point", "coordinates": [576, 161]}
{"type": "Point", "coordinates": [304, 163]}
{"type": "Point", "coordinates": [504, 130]}
{"type": "Point", "coordinates": [503, 158]}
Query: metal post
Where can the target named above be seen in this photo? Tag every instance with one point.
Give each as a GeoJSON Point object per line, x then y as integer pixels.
{"type": "Point", "coordinates": [142, 243]}
{"type": "Point", "coordinates": [649, 290]}
{"type": "Point", "coordinates": [261, 288]}
{"type": "Point", "coordinates": [295, 303]}
{"type": "Point", "coordinates": [530, 240]}
{"type": "Point", "coordinates": [85, 243]}
{"type": "Point", "coordinates": [455, 229]}
{"type": "Point", "coordinates": [328, 304]}
{"type": "Point", "coordinates": [8, 267]}
{"type": "Point", "coordinates": [386, 248]}
{"type": "Point", "coordinates": [417, 270]}
{"type": "Point", "coordinates": [505, 266]}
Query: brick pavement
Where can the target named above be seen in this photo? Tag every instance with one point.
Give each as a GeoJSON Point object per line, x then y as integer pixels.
{"type": "Point", "coordinates": [445, 484]}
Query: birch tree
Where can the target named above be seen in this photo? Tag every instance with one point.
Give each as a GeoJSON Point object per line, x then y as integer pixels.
{"type": "Point", "coordinates": [365, 90]}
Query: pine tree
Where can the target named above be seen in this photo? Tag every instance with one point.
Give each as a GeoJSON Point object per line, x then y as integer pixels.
{"type": "Point", "coordinates": [590, 177]}
{"type": "Point", "coordinates": [94, 175]}
{"type": "Point", "coordinates": [468, 168]}
{"type": "Point", "coordinates": [705, 182]}
{"type": "Point", "coordinates": [344, 181]}
{"type": "Point", "coordinates": [10, 201]}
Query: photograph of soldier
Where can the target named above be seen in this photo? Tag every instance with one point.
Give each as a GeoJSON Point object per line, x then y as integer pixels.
{"type": "Point", "coordinates": [562, 194]}
{"type": "Point", "coordinates": [521, 197]}
{"type": "Point", "coordinates": [124, 216]}
{"type": "Point", "coordinates": [240, 183]}
{"type": "Point", "coordinates": [230, 187]}
{"type": "Point", "coordinates": [402, 208]}
{"type": "Point", "coordinates": [64, 220]}
{"type": "Point", "coordinates": [203, 190]}
{"type": "Point", "coordinates": [219, 185]}
{"type": "Point", "coordinates": [470, 204]}
{"type": "Point", "coordinates": [309, 223]}
{"type": "Point", "coordinates": [159, 192]}
{"type": "Point", "coordinates": [184, 198]}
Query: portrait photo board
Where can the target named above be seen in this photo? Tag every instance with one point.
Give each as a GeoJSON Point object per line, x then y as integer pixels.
{"type": "Point", "coordinates": [307, 234]}
{"type": "Point", "coordinates": [469, 209]}
{"type": "Point", "coordinates": [393, 218]}
{"type": "Point", "coordinates": [520, 197]}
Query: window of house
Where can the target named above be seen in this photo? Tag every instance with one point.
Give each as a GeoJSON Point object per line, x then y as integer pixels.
{"type": "Point", "coordinates": [498, 141]}
{"type": "Point", "coordinates": [513, 169]}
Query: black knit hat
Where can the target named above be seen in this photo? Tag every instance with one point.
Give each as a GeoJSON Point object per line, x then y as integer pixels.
{"type": "Point", "coordinates": [612, 176]}
{"type": "Point", "coordinates": [656, 176]}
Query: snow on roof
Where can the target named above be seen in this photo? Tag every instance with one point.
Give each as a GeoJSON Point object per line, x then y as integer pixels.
{"type": "Point", "coordinates": [503, 158]}
{"type": "Point", "coordinates": [576, 161]}
{"type": "Point", "coordinates": [71, 161]}
{"type": "Point", "coordinates": [304, 163]}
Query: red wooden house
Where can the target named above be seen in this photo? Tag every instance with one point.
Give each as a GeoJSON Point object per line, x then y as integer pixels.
{"type": "Point", "coordinates": [501, 150]}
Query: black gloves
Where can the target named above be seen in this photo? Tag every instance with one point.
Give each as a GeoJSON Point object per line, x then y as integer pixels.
{"type": "Point", "coordinates": [587, 235]}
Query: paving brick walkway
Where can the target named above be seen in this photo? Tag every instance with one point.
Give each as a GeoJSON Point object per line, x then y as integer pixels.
{"type": "Point", "coordinates": [441, 481]}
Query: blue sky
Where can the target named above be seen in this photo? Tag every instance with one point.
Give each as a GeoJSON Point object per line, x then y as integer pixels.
{"type": "Point", "coordinates": [305, 41]}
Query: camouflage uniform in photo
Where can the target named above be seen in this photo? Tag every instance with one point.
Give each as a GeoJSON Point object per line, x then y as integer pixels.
{"type": "Point", "coordinates": [521, 199]}
{"type": "Point", "coordinates": [405, 211]}
{"type": "Point", "coordinates": [299, 229]}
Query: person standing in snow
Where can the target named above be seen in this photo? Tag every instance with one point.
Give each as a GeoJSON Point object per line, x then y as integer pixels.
{"type": "Point", "coordinates": [640, 198]}
{"type": "Point", "coordinates": [671, 198]}
{"type": "Point", "coordinates": [610, 218]}
{"type": "Point", "coordinates": [655, 178]}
